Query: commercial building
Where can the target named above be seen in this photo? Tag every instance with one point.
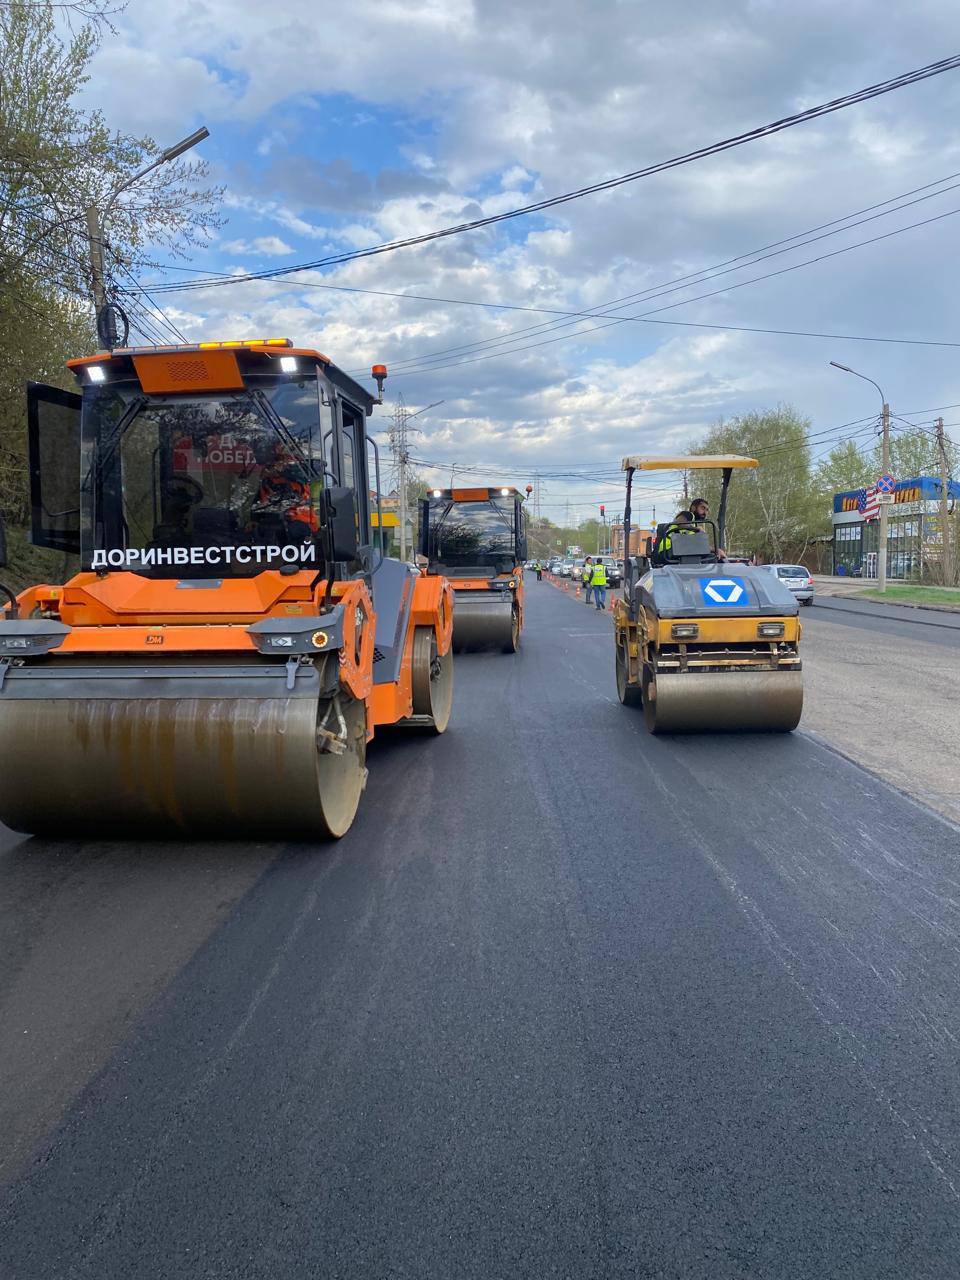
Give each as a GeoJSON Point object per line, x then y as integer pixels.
{"type": "Point", "coordinates": [913, 530]}
{"type": "Point", "coordinates": [638, 538]}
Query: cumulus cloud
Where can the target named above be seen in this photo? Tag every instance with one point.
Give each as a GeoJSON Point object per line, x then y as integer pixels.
{"type": "Point", "coordinates": [265, 246]}
{"type": "Point", "coordinates": [488, 104]}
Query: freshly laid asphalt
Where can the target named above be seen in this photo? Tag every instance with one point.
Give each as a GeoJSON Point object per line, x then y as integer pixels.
{"type": "Point", "coordinates": [567, 1001]}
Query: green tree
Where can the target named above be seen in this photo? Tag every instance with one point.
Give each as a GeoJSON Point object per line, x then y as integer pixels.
{"type": "Point", "coordinates": [774, 510]}
{"type": "Point", "coordinates": [844, 467]}
{"type": "Point", "coordinates": [56, 160]}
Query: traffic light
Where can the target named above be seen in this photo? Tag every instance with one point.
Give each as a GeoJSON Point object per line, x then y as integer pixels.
{"type": "Point", "coordinates": [602, 510]}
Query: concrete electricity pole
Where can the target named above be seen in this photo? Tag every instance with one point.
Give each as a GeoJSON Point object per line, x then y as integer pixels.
{"type": "Point", "coordinates": [946, 541]}
{"type": "Point", "coordinates": [106, 321]}
{"type": "Point", "coordinates": [398, 445]}
{"type": "Point", "coordinates": [96, 221]}
{"type": "Point", "coordinates": [885, 424]}
{"type": "Point", "coordinates": [884, 505]}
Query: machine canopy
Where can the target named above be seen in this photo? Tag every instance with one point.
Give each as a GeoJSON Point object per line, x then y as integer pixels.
{"type": "Point", "coordinates": [691, 462]}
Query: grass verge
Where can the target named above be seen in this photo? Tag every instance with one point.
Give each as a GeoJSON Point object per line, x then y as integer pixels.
{"type": "Point", "coordinates": [917, 595]}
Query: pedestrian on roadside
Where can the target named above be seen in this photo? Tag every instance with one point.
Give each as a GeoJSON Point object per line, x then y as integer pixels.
{"type": "Point", "coordinates": [598, 581]}
{"type": "Point", "coordinates": [539, 568]}
{"type": "Point", "coordinates": [586, 577]}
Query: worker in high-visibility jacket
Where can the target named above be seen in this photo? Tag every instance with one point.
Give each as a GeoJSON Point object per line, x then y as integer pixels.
{"type": "Point", "coordinates": [682, 523]}
{"type": "Point", "coordinates": [599, 583]}
{"type": "Point", "coordinates": [586, 577]}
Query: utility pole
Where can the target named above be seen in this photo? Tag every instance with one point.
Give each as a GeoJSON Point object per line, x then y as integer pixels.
{"type": "Point", "coordinates": [885, 425]}
{"type": "Point", "coordinates": [105, 317]}
{"type": "Point", "coordinates": [882, 551]}
{"type": "Point", "coordinates": [96, 221]}
{"type": "Point", "coordinates": [401, 456]}
{"type": "Point", "coordinates": [946, 541]}
{"type": "Point", "coordinates": [398, 444]}
{"type": "Point", "coordinates": [686, 489]}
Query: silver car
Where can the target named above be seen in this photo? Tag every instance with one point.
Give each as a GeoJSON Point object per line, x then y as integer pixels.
{"type": "Point", "coordinates": [796, 579]}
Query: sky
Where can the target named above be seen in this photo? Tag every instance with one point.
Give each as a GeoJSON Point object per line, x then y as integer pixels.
{"type": "Point", "coordinates": [338, 126]}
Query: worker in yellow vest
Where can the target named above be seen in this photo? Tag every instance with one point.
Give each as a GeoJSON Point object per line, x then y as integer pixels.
{"type": "Point", "coordinates": [586, 577]}
{"type": "Point", "coordinates": [598, 581]}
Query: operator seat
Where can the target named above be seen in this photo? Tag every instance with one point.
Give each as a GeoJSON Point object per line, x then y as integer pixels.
{"type": "Point", "coordinates": [691, 546]}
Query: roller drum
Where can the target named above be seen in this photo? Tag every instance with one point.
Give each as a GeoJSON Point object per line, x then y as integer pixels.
{"type": "Point", "coordinates": [484, 622]}
{"type": "Point", "coordinates": [170, 766]}
{"type": "Point", "coordinates": [717, 702]}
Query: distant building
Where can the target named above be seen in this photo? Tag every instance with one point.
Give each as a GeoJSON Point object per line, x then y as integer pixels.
{"type": "Point", "coordinates": [913, 530]}
{"type": "Point", "coordinates": [638, 538]}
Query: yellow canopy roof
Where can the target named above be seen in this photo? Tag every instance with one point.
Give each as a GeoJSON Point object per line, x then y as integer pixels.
{"type": "Point", "coordinates": [638, 462]}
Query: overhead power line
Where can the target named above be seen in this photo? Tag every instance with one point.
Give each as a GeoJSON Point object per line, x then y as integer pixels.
{"type": "Point", "coordinates": [778, 247]}
{"type": "Point", "coordinates": [539, 206]}
{"type": "Point", "coordinates": [645, 317]}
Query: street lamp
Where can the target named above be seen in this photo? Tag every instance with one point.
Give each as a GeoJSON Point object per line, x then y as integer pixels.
{"type": "Point", "coordinates": [97, 220]}
{"type": "Point", "coordinates": [882, 550]}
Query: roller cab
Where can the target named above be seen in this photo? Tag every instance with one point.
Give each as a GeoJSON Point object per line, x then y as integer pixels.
{"type": "Point", "coordinates": [233, 639]}
{"type": "Point", "coordinates": [703, 645]}
{"type": "Point", "coordinates": [476, 539]}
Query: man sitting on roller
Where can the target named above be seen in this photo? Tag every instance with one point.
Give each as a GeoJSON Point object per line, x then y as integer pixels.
{"type": "Point", "coordinates": [700, 510]}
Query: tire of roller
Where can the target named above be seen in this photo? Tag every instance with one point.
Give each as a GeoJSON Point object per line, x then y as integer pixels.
{"type": "Point", "coordinates": [432, 679]}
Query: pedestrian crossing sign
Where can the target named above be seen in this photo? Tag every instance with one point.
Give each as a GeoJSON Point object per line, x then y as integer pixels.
{"type": "Point", "coordinates": [720, 591]}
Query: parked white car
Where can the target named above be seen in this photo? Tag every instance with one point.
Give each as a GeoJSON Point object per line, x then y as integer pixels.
{"type": "Point", "coordinates": [796, 579]}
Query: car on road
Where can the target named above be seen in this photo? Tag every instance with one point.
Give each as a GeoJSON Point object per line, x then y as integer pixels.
{"type": "Point", "coordinates": [796, 579]}
{"type": "Point", "coordinates": [566, 569]}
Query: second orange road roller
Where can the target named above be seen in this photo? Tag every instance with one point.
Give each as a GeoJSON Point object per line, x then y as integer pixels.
{"type": "Point", "coordinates": [233, 639]}
{"type": "Point", "coordinates": [476, 538]}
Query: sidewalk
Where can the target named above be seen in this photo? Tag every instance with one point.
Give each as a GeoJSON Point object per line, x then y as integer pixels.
{"type": "Point", "coordinates": [854, 588]}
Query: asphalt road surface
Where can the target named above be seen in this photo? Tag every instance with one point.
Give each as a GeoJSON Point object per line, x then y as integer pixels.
{"type": "Point", "coordinates": [883, 686]}
{"type": "Point", "coordinates": [568, 1001]}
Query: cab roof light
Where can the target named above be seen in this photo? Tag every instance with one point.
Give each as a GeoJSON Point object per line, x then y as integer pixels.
{"type": "Point", "coordinates": [245, 342]}
{"type": "Point", "coordinates": [202, 346]}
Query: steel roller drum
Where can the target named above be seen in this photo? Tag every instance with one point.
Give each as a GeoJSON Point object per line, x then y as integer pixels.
{"type": "Point", "coordinates": [483, 621]}
{"type": "Point", "coordinates": [712, 702]}
{"type": "Point", "coordinates": [173, 765]}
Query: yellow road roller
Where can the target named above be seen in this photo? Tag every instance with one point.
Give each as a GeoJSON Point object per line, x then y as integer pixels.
{"type": "Point", "coordinates": [702, 644]}
{"type": "Point", "coordinates": [475, 538]}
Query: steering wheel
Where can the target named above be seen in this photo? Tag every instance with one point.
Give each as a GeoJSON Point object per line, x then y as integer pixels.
{"type": "Point", "coordinates": [185, 485]}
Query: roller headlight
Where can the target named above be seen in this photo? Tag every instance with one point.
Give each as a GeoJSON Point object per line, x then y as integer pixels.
{"type": "Point", "coordinates": [770, 630]}
{"type": "Point", "coordinates": [684, 631]}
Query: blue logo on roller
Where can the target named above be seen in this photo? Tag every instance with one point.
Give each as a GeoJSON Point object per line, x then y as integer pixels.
{"type": "Point", "coordinates": [718, 591]}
